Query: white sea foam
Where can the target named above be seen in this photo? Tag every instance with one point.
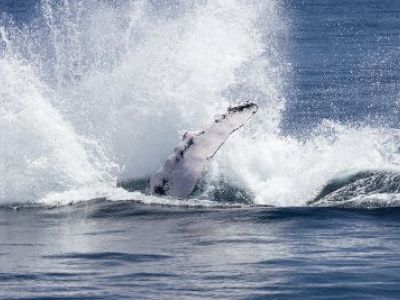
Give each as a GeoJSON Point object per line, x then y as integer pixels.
{"type": "Point", "coordinates": [40, 151]}
{"type": "Point", "coordinates": [285, 171]}
{"type": "Point", "coordinates": [104, 192]}
{"type": "Point", "coordinates": [93, 92]}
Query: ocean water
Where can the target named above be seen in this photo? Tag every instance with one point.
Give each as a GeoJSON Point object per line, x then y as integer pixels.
{"type": "Point", "coordinates": [302, 202]}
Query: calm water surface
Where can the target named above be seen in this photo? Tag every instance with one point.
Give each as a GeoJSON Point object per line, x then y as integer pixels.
{"type": "Point", "coordinates": [125, 250]}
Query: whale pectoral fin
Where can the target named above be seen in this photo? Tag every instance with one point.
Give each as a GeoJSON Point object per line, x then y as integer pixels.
{"type": "Point", "coordinates": [183, 168]}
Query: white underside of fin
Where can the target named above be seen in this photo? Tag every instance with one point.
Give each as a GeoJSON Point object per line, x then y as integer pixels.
{"type": "Point", "coordinates": [183, 168]}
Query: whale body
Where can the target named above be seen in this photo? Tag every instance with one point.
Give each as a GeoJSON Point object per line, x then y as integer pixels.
{"type": "Point", "coordinates": [185, 166]}
{"type": "Point", "coordinates": [351, 189]}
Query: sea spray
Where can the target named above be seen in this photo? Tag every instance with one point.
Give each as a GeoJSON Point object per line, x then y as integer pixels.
{"type": "Point", "coordinates": [95, 91]}
{"type": "Point", "coordinates": [40, 151]}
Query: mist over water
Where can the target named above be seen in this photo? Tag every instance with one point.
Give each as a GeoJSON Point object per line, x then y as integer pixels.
{"type": "Point", "coordinates": [94, 92]}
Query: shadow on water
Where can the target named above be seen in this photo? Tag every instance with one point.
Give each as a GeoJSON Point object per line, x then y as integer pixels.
{"type": "Point", "coordinates": [104, 209]}
{"type": "Point", "coordinates": [220, 191]}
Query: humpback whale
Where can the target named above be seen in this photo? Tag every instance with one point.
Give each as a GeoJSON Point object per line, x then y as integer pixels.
{"type": "Point", "coordinates": [364, 185]}
{"type": "Point", "coordinates": [182, 170]}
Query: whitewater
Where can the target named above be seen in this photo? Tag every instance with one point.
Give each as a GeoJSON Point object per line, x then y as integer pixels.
{"type": "Point", "coordinates": [95, 93]}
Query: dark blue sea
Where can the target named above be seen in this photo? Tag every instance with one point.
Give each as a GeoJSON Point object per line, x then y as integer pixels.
{"type": "Point", "coordinates": [303, 202]}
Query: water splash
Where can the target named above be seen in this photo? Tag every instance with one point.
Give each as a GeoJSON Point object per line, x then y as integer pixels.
{"type": "Point", "coordinates": [40, 151]}
{"type": "Point", "coordinates": [96, 91]}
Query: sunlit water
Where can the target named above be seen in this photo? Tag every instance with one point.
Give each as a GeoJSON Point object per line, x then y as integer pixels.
{"type": "Point", "coordinates": [124, 250]}
{"type": "Point", "coordinates": [94, 95]}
